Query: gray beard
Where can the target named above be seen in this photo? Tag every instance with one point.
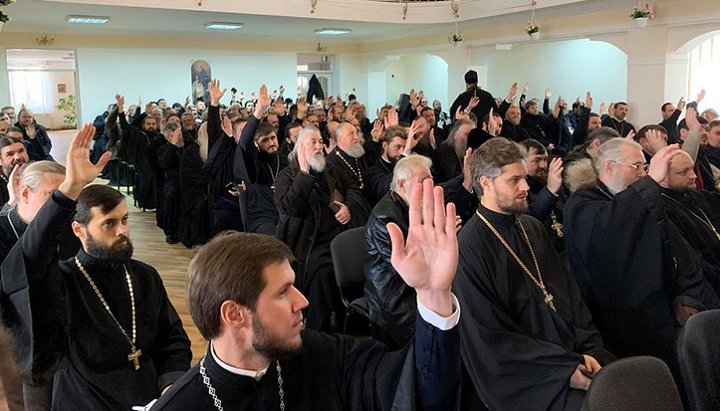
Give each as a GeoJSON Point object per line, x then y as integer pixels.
{"type": "Point", "coordinates": [355, 151]}
{"type": "Point", "coordinates": [317, 163]}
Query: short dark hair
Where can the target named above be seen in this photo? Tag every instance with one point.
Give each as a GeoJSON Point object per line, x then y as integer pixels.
{"type": "Point", "coordinates": [6, 140]}
{"type": "Point", "coordinates": [603, 134]}
{"type": "Point", "coordinates": [531, 143]}
{"type": "Point", "coordinates": [291, 125]}
{"type": "Point", "coordinates": [664, 106]}
{"type": "Point", "coordinates": [426, 109]}
{"type": "Point", "coordinates": [394, 132]}
{"type": "Point", "coordinates": [263, 130]}
{"type": "Point", "coordinates": [229, 268]}
{"type": "Point", "coordinates": [620, 103]}
{"type": "Point", "coordinates": [471, 77]}
{"type": "Point", "coordinates": [682, 125]}
{"type": "Point", "coordinates": [96, 195]}
{"type": "Point", "coordinates": [643, 131]}
{"type": "Point", "coordinates": [713, 124]}
{"type": "Point", "coordinates": [491, 157]}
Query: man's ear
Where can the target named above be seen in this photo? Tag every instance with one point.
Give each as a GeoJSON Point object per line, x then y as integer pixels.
{"type": "Point", "coordinates": [486, 184]}
{"type": "Point", "coordinates": [234, 315]}
{"type": "Point", "coordinates": [79, 230]}
{"type": "Point", "coordinates": [24, 194]}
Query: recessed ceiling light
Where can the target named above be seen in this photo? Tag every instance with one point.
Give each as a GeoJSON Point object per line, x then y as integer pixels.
{"type": "Point", "coordinates": [332, 32]}
{"type": "Point", "coordinates": [223, 26]}
{"type": "Point", "coordinates": [87, 19]}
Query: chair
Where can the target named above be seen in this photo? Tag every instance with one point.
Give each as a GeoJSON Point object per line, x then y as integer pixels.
{"type": "Point", "coordinates": [631, 384]}
{"type": "Point", "coordinates": [348, 251]}
{"type": "Point", "coordinates": [700, 361]}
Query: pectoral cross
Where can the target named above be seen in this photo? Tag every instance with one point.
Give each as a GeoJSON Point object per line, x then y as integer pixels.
{"type": "Point", "coordinates": [556, 225]}
{"type": "Point", "coordinates": [549, 300]}
{"type": "Point", "coordinates": [134, 356]}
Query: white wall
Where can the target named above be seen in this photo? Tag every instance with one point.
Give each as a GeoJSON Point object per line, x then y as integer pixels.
{"type": "Point", "coordinates": [420, 72]}
{"type": "Point", "coordinates": [155, 74]}
{"type": "Point", "coordinates": [569, 68]}
{"type": "Point", "coordinates": [351, 76]}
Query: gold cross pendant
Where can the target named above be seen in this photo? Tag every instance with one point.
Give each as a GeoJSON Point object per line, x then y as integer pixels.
{"type": "Point", "coordinates": [134, 356]}
{"type": "Point", "coordinates": [549, 300]}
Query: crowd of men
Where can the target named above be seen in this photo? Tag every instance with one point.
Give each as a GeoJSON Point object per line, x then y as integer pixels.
{"type": "Point", "coordinates": [580, 239]}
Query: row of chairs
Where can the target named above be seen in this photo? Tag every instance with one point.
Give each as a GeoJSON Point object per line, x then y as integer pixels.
{"type": "Point", "coordinates": [628, 384]}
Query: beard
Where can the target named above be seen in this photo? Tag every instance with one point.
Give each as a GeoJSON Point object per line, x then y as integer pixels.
{"type": "Point", "coordinates": [317, 162]}
{"type": "Point", "coordinates": [510, 206]}
{"type": "Point", "coordinates": [271, 346]}
{"type": "Point", "coordinates": [119, 252]}
{"type": "Point", "coordinates": [355, 150]}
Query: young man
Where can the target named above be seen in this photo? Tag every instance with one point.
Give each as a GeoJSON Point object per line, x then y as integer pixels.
{"type": "Point", "coordinates": [100, 323]}
{"type": "Point", "coordinates": [242, 298]}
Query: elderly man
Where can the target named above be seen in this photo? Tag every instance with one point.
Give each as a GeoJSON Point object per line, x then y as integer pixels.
{"type": "Point", "coordinates": [12, 154]}
{"type": "Point", "coordinates": [391, 301]}
{"type": "Point", "coordinates": [347, 157]}
{"type": "Point", "coordinates": [316, 202]}
{"type": "Point", "coordinates": [37, 141]}
{"type": "Point", "coordinates": [645, 282]}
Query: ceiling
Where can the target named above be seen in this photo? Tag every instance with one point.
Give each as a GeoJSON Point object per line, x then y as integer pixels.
{"type": "Point", "coordinates": [373, 19]}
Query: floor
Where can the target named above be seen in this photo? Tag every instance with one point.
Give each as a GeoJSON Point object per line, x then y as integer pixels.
{"type": "Point", "coordinates": [169, 260]}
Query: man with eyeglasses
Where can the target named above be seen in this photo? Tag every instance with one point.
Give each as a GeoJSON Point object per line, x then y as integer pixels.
{"type": "Point", "coordinates": [639, 277]}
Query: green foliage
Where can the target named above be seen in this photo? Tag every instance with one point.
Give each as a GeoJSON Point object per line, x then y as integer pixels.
{"type": "Point", "coordinates": [69, 106]}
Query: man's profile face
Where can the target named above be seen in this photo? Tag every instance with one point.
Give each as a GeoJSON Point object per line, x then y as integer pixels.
{"type": "Point", "coordinates": [713, 137]}
{"type": "Point", "coordinates": [669, 110]}
{"type": "Point", "coordinates": [537, 164]}
{"type": "Point", "coordinates": [273, 120]}
{"type": "Point", "coordinates": [33, 200]}
{"type": "Point", "coordinates": [624, 174]}
{"type": "Point", "coordinates": [681, 173]}
{"type": "Point", "coordinates": [13, 155]}
{"type": "Point", "coordinates": [320, 114]}
{"type": "Point", "coordinates": [312, 120]}
{"type": "Point", "coordinates": [277, 318]}
{"type": "Point", "coordinates": [510, 189]}
{"type": "Point", "coordinates": [621, 111]}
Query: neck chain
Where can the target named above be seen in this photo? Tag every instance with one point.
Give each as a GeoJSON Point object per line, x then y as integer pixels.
{"type": "Point", "coordinates": [274, 175]}
{"type": "Point", "coordinates": [13, 227]}
{"type": "Point", "coordinates": [135, 353]}
{"type": "Point", "coordinates": [357, 173]}
{"type": "Point", "coordinates": [704, 219]}
{"type": "Point", "coordinates": [556, 224]}
{"type": "Point", "coordinates": [218, 403]}
{"type": "Point", "coordinates": [539, 280]}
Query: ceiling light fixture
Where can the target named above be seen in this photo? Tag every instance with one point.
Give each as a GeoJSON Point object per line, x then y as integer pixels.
{"type": "Point", "coordinates": [87, 19]}
{"type": "Point", "coordinates": [223, 26]}
{"type": "Point", "coordinates": [332, 32]}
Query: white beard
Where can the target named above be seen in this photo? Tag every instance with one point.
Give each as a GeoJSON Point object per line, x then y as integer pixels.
{"type": "Point", "coordinates": [317, 162]}
{"type": "Point", "coordinates": [355, 151]}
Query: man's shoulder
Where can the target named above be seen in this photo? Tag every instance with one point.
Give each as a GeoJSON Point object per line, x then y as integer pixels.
{"type": "Point", "coordinates": [184, 393]}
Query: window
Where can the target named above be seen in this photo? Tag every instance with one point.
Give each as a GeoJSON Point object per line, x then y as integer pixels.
{"type": "Point", "coordinates": [704, 69]}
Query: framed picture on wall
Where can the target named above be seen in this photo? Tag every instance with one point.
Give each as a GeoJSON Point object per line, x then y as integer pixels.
{"type": "Point", "coordinates": [62, 88]}
{"type": "Point", "coordinates": [200, 76]}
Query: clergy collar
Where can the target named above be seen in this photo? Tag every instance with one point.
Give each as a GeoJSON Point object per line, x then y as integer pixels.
{"type": "Point", "coordinates": [497, 219]}
{"type": "Point", "coordinates": [677, 195]}
{"type": "Point", "coordinates": [256, 375]}
{"type": "Point", "coordinates": [91, 263]}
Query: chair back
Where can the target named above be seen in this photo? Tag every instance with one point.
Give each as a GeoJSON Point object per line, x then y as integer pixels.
{"type": "Point", "coordinates": [631, 384]}
{"type": "Point", "coordinates": [349, 253]}
{"type": "Point", "coordinates": [699, 359]}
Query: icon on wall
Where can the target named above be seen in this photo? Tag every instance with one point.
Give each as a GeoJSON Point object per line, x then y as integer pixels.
{"type": "Point", "coordinates": [200, 77]}
{"type": "Point", "coordinates": [62, 88]}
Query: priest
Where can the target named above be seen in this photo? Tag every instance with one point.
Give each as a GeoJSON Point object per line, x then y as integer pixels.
{"type": "Point", "coordinates": [528, 341]}
{"type": "Point", "coordinates": [242, 298]}
{"type": "Point", "coordinates": [100, 321]}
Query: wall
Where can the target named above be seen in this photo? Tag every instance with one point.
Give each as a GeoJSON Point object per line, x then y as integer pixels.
{"type": "Point", "coordinates": [568, 68]}
{"type": "Point", "coordinates": [153, 74]}
{"type": "Point", "coordinates": [350, 76]}
{"type": "Point", "coordinates": [420, 72]}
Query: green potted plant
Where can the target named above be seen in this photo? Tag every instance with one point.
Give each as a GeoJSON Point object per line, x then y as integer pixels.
{"type": "Point", "coordinates": [69, 106]}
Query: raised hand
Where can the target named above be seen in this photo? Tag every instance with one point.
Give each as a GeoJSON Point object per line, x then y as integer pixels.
{"type": "Point", "coordinates": [302, 107]}
{"type": "Point", "coordinates": [79, 170]}
{"type": "Point", "coordinates": [660, 162]}
{"type": "Point", "coordinates": [473, 103]}
{"type": "Point", "coordinates": [279, 106]}
{"type": "Point", "coordinates": [467, 175]}
{"type": "Point", "coordinates": [427, 261]}
{"type": "Point", "coordinates": [492, 124]}
{"type": "Point", "coordinates": [631, 136]}
{"type": "Point", "coordinates": [512, 93]}
{"type": "Point", "coordinates": [681, 104]}
{"type": "Point", "coordinates": [120, 101]}
{"type": "Point", "coordinates": [602, 107]}
{"type": "Point", "coordinates": [13, 184]}
{"type": "Point", "coordinates": [700, 96]}
{"type": "Point", "coordinates": [377, 130]}
{"type": "Point", "coordinates": [589, 100]}
{"type": "Point", "coordinates": [548, 94]}
{"type": "Point", "coordinates": [691, 119]}
{"type": "Point", "coordinates": [392, 118]}
{"type": "Point", "coordinates": [656, 139]}
{"type": "Point", "coordinates": [554, 178]}
{"type": "Point", "coordinates": [263, 102]}
{"type": "Point", "coordinates": [215, 92]}
{"type": "Point", "coordinates": [460, 114]}
{"type": "Point", "coordinates": [226, 126]}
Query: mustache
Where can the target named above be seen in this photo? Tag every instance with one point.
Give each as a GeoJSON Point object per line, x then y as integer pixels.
{"type": "Point", "coordinates": [122, 239]}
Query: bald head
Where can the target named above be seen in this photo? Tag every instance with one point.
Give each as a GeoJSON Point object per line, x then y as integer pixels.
{"type": "Point", "coordinates": [681, 173]}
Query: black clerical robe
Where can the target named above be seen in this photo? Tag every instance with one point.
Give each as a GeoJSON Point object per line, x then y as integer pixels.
{"type": "Point", "coordinates": [336, 372]}
{"type": "Point", "coordinates": [64, 328]}
{"type": "Point", "coordinates": [135, 149]}
{"type": "Point", "coordinates": [379, 177]}
{"type": "Point", "coordinates": [632, 266]}
{"type": "Point", "coordinates": [194, 210]}
{"type": "Point", "coordinates": [219, 167]}
{"type": "Point", "coordinates": [518, 352]}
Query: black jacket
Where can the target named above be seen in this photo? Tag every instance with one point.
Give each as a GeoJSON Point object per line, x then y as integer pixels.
{"type": "Point", "coordinates": [391, 302]}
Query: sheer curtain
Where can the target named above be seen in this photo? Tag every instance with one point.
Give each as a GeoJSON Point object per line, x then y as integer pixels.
{"type": "Point", "coordinates": [704, 69]}
{"type": "Point", "coordinates": [32, 89]}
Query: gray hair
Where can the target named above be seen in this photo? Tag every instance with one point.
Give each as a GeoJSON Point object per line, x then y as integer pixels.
{"type": "Point", "coordinates": [404, 168]}
{"type": "Point", "coordinates": [612, 151]}
{"type": "Point", "coordinates": [32, 174]}
{"type": "Point", "coordinates": [306, 131]}
{"type": "Point", "coordinates": [603, 134]}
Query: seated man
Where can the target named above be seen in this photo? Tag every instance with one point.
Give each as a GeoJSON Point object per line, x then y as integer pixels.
{"type": "Point", "coordinates": [394, 142]}
{"type": "Point", "coordinates": [528, 339]}
{"type": "Point", "coordinates": [242, 298]}
{"type": "Point", "coordinates": [391, 302]}
{"type": "Point", "coordinates": [37, 141]}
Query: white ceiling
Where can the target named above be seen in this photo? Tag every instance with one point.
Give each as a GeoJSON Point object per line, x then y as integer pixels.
{"type": "Point", "coordinates": [183, 17]}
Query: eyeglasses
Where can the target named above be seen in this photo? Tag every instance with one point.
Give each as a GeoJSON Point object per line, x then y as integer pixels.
{"type": "Point", "coordinates": [644, 167]}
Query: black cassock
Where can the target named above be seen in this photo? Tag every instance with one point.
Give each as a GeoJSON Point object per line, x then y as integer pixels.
{"type": "Point", "coordinates": [518, 352]}
{"type": "Point", "coordinates": [135, 149]}
{"type": "Point", "coordinates": [336, 372]}
{"type": "Point", "coordinates": [63, 327]}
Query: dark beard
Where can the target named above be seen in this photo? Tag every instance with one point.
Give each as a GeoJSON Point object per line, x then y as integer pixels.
{"type": "Point", "coordinates": [269, 346]}
{"type": "Point", "coordinates": [117, 253]}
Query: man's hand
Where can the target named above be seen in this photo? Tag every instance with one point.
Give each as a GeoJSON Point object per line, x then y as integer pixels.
{"type": "Point", "coordinates": [548, 94]}
{"type": "Point", "coordinates": [392, 118]}
{"type": "Point", "coordinates": [493, 124]}
{"type": "Point", "coordinates": [700, 96]}
{"type": "Point", "coordinates": [377, 131]}
{"type": "Point", "coordinates": [226, 126]}
{"type": "Point", "coordinates": [589, 101]}
{"type": "Point", "coordinates": [120, 101]}
{"type": "Point", "coordinates": [473, 103]}
{"type": "Point", "coordinates": [656, 139]}
{"type": "Point", "coordinates": [554, 178]}
{"type": "Point", "coordinates": [302, 108]}
{"type": "Point", "coordinates": [578, 380]}
{"type": "Point", "coordinates": [460, 114]}
{"type": "Point", "coordinates": [279, 107]}
{"type": "Point", "coordinates": [591, 365]}
{"type": "Point", "coordinates": [691, 119]}
{"type": "Point", "coordinates": [631, 136]}
{"type": "Point", "coordinates": [602, 107]}
{"type": "Point", "coordinates": [681, 104]}
{"type": "Point", "coordinates": [263, 102]}
{"type": "Point", "coordinates": [302, 156]}
{"type": "Point", "coordinates": [215, 92]}
{"type": "Point", "coordinates": [343, 215]}
{"type": "Point", "coordinates": [149, 108]}
{"type": "Point", "coordinates": [660, 162]}
{"type": "Point", "coordinates": [79, 170]}
{"type": "Point", "coordinates": [175, 138]}
{"type": "Point", "coordinates": [467, 175]}
{"type": "Point", "coordinates": [683, 313]}
{"type": "Point", "coordinates": [512, 93]}
{"type": "Point", "coordinates": [31, 131]}
{"type": "Point", "coordinates": [427, 261]}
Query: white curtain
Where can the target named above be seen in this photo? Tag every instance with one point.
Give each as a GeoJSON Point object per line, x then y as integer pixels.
{"type": "Point", "coordinates": [32, 89]}
{"type": "Point", "coordinates": [704, 69]}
